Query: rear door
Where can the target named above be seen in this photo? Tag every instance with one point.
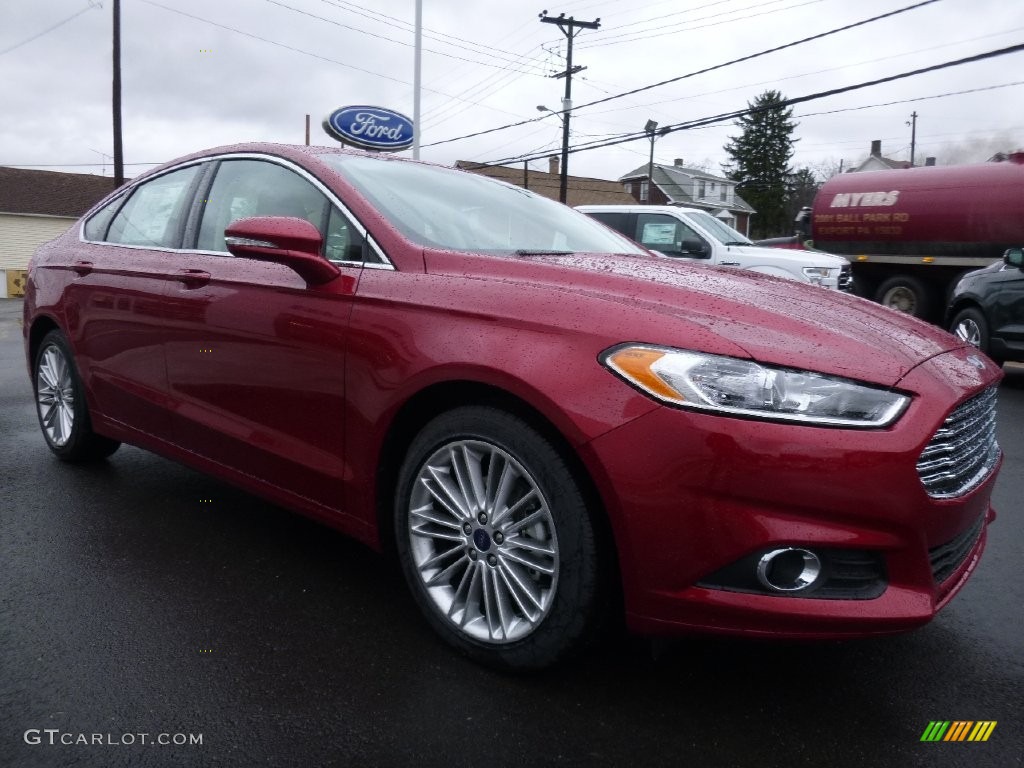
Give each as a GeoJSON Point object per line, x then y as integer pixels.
{"type": "Point", "coordinates": [1005, 300]}
{"type": "Point", "coordinates": [115, 314]}
{"type": "Point", "coordinates": [255, 357]}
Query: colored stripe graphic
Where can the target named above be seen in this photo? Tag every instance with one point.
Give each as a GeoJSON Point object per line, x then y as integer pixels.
{"type": "Point", "coordinates": [958, 730]}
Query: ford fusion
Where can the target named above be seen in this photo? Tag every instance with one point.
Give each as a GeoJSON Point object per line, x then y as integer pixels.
{"type": "Point", "coordinates": [551, 428]}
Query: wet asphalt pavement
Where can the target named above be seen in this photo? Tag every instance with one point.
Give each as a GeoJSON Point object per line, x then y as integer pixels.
{"type": "Point", "coordinates": [138, 596]}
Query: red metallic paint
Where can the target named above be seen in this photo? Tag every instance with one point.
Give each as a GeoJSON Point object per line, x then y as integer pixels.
{"type": "Point", "coordinates": [301, 385]}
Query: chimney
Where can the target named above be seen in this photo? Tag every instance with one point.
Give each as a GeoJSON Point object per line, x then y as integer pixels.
{"type": "Point", "coordinates": [876, 148]}
{"type": "Point", "coordinates": [553, 165]}
{"type": "Point", "coordinates": [678, 162]}
{"type": "Point", "coordinates": [929, 161]}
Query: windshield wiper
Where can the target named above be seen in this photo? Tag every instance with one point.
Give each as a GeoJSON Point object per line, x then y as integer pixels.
{"type": "Point", "coordinates": [525, 252]}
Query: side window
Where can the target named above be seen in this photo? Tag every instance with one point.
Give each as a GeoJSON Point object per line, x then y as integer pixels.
{"type": "Point", "coordinates": [669, 235]}
{"type": "Point", "coordinates": [96, 226]}
{"type": "Point", "coordinates": [614, 219]}
{"type": "Point", "coordinates": [246, 188]}
{"type": "Point", "coordinates": [155, 212]}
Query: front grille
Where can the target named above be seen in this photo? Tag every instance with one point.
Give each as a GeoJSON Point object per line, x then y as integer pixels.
{"type": "Point", "coordinates": [963, 451]}
{"type": "Point", "coordinates": [846, 279]}
{"type": "Point", "coordinates": [948, 557]}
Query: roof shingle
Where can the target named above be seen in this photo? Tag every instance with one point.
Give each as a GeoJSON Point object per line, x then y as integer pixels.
{"type": "Point", "coordinates": [50, 193]}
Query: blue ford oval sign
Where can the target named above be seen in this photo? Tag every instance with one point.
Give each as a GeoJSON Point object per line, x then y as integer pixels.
{"type": "Point", "coordinates": [370, 128]}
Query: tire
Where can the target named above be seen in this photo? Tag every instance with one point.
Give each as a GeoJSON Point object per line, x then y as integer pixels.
{"type": "Point", "coordinates": [469, 480]}
{"type": "Point", "coordinates": [61, 407]}
{"type": "Point", "coordinates": [905, 294]}
{"type": "Point", "coordinates": [970, 325]}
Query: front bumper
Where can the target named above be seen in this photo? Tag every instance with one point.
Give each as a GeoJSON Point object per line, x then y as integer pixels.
{"type": "Point", "coordinates": [689, 494]}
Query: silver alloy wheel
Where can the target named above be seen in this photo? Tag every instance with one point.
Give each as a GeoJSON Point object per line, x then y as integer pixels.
{"type": "Point", "coordinates": [55, 395]}
{"type": "Point", "coordinates": [967, 330]}
{"type": "Point", "coordinates": [901, 298]}
{"type": "Point", "coordinates": [483, 541]}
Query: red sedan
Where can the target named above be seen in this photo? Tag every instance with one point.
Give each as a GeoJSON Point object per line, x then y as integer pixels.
{"type": "Point", "coordinates": [548, 425]}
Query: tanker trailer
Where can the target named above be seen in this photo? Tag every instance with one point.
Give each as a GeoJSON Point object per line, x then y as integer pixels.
{"type": "Point", "coordinates": [911, 234]}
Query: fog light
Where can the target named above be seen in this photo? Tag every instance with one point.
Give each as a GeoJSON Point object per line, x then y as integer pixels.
{"type": "Point", "coordinates": [788, 570]}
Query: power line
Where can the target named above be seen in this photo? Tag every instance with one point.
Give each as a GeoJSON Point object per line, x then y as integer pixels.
{"type": "Point", "coordinates": [765, 52]}
{"type": "Point", "coordinates": [723, 117]}
{"type": "Point", "coordinates": [308, 53]}
{"type": "Point", "coordinates": [662, 31]}
{"type": "Point", "coordinates": [397, 42]}
{"type": "Point", "coordinates": [48, 30]}
{"type": "Point", "coordinates": [431, 34]}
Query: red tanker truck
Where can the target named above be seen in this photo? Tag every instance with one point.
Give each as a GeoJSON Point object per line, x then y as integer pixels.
{"type": "Point", "coordinates": [910, 234]}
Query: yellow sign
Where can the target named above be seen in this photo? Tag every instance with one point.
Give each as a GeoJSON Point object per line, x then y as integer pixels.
{"type": "Point", "coordinates": [16, 280]}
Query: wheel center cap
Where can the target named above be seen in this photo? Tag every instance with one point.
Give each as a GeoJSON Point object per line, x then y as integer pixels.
{"type": "Point", "coordinates": [481, 539]}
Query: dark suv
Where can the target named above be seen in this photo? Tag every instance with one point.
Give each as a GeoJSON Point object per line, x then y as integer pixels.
{"type": "Point", "coordinates": [987, 308]}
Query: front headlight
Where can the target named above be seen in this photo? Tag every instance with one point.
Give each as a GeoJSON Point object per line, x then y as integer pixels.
{"type": "Point", "coordinates": [736, 387]}
{"type": "Point", "coordinates": [817, 275]}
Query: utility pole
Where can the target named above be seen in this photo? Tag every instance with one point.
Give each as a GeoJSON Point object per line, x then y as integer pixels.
{"type": "Point", "coordinates": [650, 128]}
{"type": "Point", "coordinates": [570, 28]}
{"type": "Point", "coordinates": [118, 154]}
{"type": "Point", "coordinates": [913, 136]}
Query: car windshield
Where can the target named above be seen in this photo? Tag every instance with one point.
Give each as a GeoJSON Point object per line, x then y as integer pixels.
{"type": "Point", "coordinates": [444, 208]}
{"type": "Point", "coordinates": [723, 233]}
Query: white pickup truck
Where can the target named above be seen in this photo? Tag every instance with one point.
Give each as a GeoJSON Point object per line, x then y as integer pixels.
{"type": "Point", "coordinates": [690, 233]}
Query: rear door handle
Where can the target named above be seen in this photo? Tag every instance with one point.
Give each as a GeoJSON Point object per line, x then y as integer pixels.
{"type": "Point", "coordinates": [193, 278]}
{"type": "Point", "coordinates": [83, 267]}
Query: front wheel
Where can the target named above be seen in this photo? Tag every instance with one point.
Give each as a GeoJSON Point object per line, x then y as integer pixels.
{"type": "Point", "coordinates": [61, 407]}
{"type": "Point", "coordinates": [970, 325]}
{"type": "Point", "coordinates": [495, 539]}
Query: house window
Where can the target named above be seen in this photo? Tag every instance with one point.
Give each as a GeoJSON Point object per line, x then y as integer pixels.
{"type": "Point", "coordinates": [643, 191]}
{"type": "Point", "coordinates": [701, 189]}
{"type": "Point", "coordinates": [724, 194]}
{"type": "Point", "coordinates": [629, 187]}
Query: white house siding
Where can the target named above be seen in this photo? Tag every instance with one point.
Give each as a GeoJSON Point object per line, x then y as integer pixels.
{"type": "Point", "coordinates": [21, 234]}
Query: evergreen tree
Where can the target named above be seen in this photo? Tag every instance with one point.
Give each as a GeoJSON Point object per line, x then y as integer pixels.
{"type": "Point", "coordinates": [759, 161]}
{"type": "Point", "coordinates": [801, 187]}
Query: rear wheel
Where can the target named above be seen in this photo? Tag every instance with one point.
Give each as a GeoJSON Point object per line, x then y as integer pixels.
{"type": "Point", "coordinates": [495, 539]}
{"type": "Point", "coordinates": [906, 294]}
{"type": "Point", "coordinates": [61, 407]}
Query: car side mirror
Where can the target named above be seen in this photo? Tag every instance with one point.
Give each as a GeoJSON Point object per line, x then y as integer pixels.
{"type": "Point", "coordinates": [286, 240]}
{"type": "Point", "coordinates": [695, 248]}
{"type": "Point", "coordinates": [1014, 257]}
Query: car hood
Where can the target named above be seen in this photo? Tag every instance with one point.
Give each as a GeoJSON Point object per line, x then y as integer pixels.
{"type": "Point", "coordinates": [788, 256]}
{"type": "Point", "coordinates": [772, 320]}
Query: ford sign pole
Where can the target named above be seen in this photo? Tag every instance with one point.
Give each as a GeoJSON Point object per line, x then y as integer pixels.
{"type": "Point", "coordinates": [416, 82]}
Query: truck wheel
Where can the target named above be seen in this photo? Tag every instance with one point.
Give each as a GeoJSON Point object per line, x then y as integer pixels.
{"type": "Point", "coordinates": [496, 541]}
{"type": "Point", "coordinates": [906, 294]}
{"type": "Point", "coordinates": [970, 325]}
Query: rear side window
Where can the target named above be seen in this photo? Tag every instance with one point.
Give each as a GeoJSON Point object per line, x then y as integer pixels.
{"type": "Point", "coordinates": [96, 226]}
{"type": "Point", "coordinates": [154, 214]}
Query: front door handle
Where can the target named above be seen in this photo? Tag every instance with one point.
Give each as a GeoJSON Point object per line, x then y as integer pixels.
{"type": "Point", "coordinates": [729, 264]}
{"type": "Point", "coordinates": [83, 268]}
{"type": "Point", "coordinates": [192, 278]}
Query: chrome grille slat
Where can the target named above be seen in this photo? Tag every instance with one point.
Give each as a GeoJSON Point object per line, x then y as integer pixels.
{"type": "Point", "coordinates": [963, 451]}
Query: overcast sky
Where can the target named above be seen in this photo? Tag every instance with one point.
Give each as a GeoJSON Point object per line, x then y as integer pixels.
{"type": "Point", "coordinates": [191, 84]}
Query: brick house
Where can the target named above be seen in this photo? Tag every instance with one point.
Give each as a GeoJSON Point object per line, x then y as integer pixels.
{"type": "Point", "coordinates": [580, 190]}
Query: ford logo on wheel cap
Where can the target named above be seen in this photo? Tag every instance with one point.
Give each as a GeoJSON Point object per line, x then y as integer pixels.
{"type": "Point", "coordinates": [370, 128]}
